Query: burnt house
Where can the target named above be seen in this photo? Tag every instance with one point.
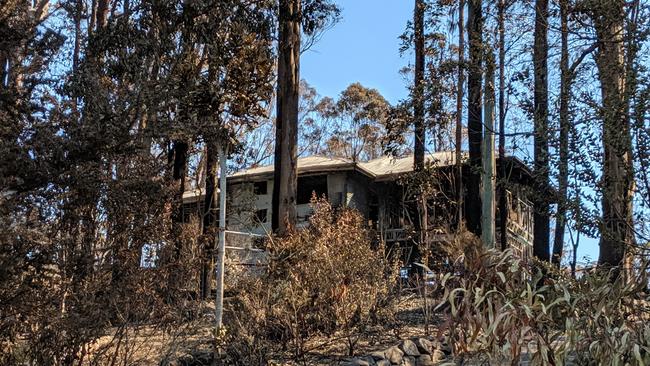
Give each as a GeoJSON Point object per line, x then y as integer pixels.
{"type": "Point", "coordinates": [379, 189]}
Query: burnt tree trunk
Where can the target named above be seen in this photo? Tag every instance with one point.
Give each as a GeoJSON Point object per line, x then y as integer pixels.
{"type": "Point", "coordinates": [179, 175]}
{"type": "Point", "coordinates": [285, 179]}
{"type": "Point", "coordinates": [209, 216]}
{"type": "Point", "coordinates": [420, 223]}
{"type": "Point", "coordinates": [474, 112]}
{"type": "Point", "coordinates": [418, 87]}
{"type": "Point", "coordinates": [503, 209]}
{"type": "Point", "coordinates": [563, 168]}
{"type": "Point", "coordinates": [540, 199]}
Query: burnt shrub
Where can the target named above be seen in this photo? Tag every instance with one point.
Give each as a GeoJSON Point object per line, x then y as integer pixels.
{"type": "Point", "coordinates": [325, 279]}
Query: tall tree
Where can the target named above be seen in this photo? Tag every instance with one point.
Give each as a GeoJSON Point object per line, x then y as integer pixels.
{"type": "Point", "coordinates": [617, 231]}
{"type": "Point", "coordinates": [503, 210]}
{"type": "Point", "coordinates": [563, 169]}
{"type": "Point", "coordinates": [488, 172]}
{"type": "Point", "coordinates": [540, 65]}
{"type": "Point", "coordinates": [474, 113]}
{"type": "Point", "coordinates": [285, 180]}
{"type": "Point", "coordinates": [357, 123]}
{"type": "Point", "coordinates": [567, 76]}
{"type": "Point", "coordinates": [421, 223]}
{"type": "Point", "coordinates": [418, 86]}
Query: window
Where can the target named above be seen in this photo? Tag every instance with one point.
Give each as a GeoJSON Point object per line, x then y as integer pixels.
{"type": "Point", "coordinates": [261, 215]}
{"type": "Point", "coordinates": [309, 185]}
{"type": "Point", "coordinates": [260, 188]}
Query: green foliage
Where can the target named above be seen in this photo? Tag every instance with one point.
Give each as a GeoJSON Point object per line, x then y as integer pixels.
{"type": "Point", "coordinates": [500, 308]}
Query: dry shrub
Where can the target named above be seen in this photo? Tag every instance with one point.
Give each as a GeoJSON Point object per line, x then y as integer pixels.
{"type": "Point", "coordinates": [499, 308]}
{"type": "Point", "coordinates": [327, 278]}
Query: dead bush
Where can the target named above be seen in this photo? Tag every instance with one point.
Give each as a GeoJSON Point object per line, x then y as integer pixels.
{"type": "Point", "coordinates": [328, 278]}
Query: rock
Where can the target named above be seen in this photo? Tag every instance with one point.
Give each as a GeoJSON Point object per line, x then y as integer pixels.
{"type": "Point", "coordinates": [355, 362]}
{"type": "Point", "coordinates": [383, 363]}
{"type": "Point", "coordinates": [408, 361]}
{"type": "Point", "coordinates": [443, 345]}
{"type": "Point", "coordinates": [378, 355]}
{"type": "Point", "coordinates": [424, 360]}
{"type": "Point", "coordinates": [394, 355]}
{"type": "Point", "coordinates": [424, 345]}
{"type": "Point", "coordinates": [409, 348]}
{"type": "Point", "coordinates": [438, 356]}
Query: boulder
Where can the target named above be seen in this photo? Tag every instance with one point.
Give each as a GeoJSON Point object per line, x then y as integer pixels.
{"type": "Point", "coordinates": [424, 360]}
{"type": "Point", "coordinates": [443, 344]}
{"type": "Point", "coordinates": [378, 355]}
{"type": "Point", "coordinates": [408, 361]}
{"type": "Point", "coordinates": [438, 356]}
{"type": "Point", "coordinates": [424, 345]}
{"type": "Point", "coordinates": [355, 362]}
{"type": "Point", "coordinates": [383, 363]}
{"type": "Point", "coordinates": [394, 355]}
{"type": "Point", "coordinates": [409, 348]}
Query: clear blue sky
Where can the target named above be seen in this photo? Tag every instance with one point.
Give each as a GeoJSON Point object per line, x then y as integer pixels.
{"type": "Point", "coordinates": [364, 47]}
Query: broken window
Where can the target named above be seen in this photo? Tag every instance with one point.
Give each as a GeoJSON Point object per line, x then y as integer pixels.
{"type": "Point", "coordinates": [260, 188]}
{"type": "Point", "coordinates": [309, 185]}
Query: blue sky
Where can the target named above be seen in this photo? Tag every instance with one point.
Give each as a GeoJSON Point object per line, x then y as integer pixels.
{"type": "Point", "coordinates": [364, 47]}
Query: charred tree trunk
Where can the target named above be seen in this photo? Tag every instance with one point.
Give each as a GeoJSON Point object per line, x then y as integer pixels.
{"type": "Point", "coordinates": [102, 13]}
{"type": "Point", "coordinates": [503, 209]}
{"type": "Point", "coordinates": [418, 87]}
{"type": "Point", "coordinates": [418, 124]}
{"type": "Point", "coordinates": [617, 233]}
{"type": "Point", "coordinates": [285, 180]}
{"type": "Point", "coordinates": [563, 176]}
{"type": "Point", "coordinates": [540, 64]}
{"type": "Point", "coordinates": [179, 174]}
{"type": "Point", "coordinates": [209, 215]}
{"type": "Point", "coordinates": [474, 111]}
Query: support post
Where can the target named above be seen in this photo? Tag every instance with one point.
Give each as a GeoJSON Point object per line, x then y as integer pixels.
{"type": "Point", "coordinates": [221, 251]}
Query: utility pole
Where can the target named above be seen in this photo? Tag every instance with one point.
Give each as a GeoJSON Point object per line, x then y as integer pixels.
{"type": "Point", "coordinates": [221, 251]}
{"type": "Point", "coordinates": [459, 112]}
{"type": "Point", "coordinates": [488, 173]}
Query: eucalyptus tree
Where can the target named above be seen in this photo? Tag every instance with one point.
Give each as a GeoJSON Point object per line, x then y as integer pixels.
{"type": "Point", "coordinates": [617, 232]}
{"type": "Point", "coordinates": [541, 216]}
{"type": "Point", "coordinates": [295, 17]}
{"type": "Point", "coordinates": [474, 113]}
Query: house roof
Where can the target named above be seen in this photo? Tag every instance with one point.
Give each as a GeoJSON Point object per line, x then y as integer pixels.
{"type": "Point", "coordinates": [388, 166]}
{"type": "Point", "coordinates": [306, 165]}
